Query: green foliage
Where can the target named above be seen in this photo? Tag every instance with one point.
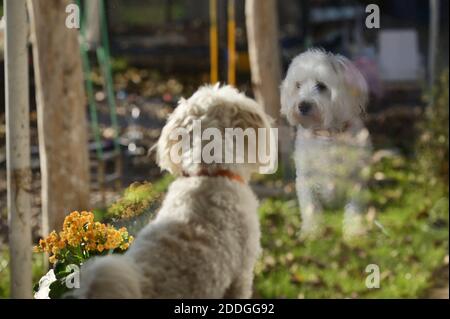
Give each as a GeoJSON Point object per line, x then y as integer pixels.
{"type": "Point", "coordinates": [433, 144]}
{"type": "Point", "coordinates": [37, 271]}
{"type": "Point", "coordinates": [163, 184]}
{"type": "Point", "coordinates": [135, 200]}
{"type": "Point", "coordinates": [119, 64]}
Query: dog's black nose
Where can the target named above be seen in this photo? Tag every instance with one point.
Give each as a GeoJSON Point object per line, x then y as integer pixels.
{"type": "Point", "coordinates": [304, 108]}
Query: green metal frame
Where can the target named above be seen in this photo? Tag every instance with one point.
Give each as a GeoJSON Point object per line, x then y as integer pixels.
{"type": "Point", "coordinates": [104, 60]}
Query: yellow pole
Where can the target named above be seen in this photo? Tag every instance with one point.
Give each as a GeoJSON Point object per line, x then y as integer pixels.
{"type": "Point", "coordinates": [231, 43]}
{"type": "Point", "coordinates": [214, 43]}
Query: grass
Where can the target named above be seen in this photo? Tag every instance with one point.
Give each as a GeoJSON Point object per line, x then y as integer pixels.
{"type": "Point", "coordinates": [409, 246]}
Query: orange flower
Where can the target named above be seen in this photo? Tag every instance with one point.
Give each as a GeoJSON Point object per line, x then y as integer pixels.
{"type": "Point", "coordinates": [80, 230]}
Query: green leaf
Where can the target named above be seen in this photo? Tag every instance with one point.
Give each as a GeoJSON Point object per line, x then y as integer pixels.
{"type": "Point", "coordinates": [59, 269]}
{"type": "Point", "coordinates": [36, 287]}
{"type": "Point", "coordinates": [58, 288]}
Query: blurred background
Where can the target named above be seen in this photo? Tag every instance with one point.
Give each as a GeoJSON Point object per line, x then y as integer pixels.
{"type": "Point", "coordinates": [160, 50]}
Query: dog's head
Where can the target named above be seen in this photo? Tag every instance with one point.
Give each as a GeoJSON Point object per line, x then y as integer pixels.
{"type": "Point", "coordinates": [197, 135]}
{"type": "Point", "coordinates": [322, 91]}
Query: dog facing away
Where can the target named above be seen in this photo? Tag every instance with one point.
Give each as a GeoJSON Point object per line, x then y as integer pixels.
{"type": "Point", "coordinates": [325, 96]}
{"type": "Point", "coordinates": [205, 239]}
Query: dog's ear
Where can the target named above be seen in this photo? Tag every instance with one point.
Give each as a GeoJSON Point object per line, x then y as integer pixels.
{"type": "Point", "coordinates": [355, 83]}
{"type": "Point", "coordinates": [284, 97]}
{"type": "Point", "coordinates": [289, 88]}
{"type": "Point", "coordinates": [167, 140]}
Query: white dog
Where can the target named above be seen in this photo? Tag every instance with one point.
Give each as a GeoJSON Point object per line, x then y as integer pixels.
{"type": "Point", "coordinates": [325, 96]}
{"type": "Point", "coordinates": [206, 238]}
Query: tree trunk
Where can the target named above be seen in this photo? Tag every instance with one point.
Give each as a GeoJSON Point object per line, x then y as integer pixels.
{"type": "Point", "coordinates": [61, 108]}
{"type": "Point", "coordinates": [262, 37]}
{"type": "Point", "coordinates": [18, 148]}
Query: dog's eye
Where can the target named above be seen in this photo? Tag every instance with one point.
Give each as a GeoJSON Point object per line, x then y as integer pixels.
{"type": "Point", "coordinates": [321, 87]}
{"type": "Point", "coordinates": [298, 85]}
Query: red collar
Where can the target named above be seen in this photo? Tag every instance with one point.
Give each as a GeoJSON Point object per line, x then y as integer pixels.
{"type": "Point", "coordinates": [219, 173]}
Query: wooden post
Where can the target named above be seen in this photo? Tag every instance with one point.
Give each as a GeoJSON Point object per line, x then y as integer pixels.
{"type": "Point", "coordinates": [265, 63]}
{"type": "Point", "coordinates": [18, 148]}
{"type": "Point", "coordinates": [61, 108]}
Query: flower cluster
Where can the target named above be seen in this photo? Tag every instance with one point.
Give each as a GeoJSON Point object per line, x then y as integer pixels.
{"type": "Point", "coordinates": [82, 236]}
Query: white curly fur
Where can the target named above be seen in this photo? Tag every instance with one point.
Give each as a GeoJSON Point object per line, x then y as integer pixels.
{"type": "Point", "coordinates": [347, 96]}
{"type": "Point", "coordinates": [217, 107]}
{"type": "Point", "coordinates": [331, 165]}
{"type": "Point", "coordinates": [205, 239]}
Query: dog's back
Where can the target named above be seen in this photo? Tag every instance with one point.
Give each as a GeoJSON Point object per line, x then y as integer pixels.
{"type": "Point", "coordinates": [205, 237]}
{"type": "Point", "coordinates": [203, 244]}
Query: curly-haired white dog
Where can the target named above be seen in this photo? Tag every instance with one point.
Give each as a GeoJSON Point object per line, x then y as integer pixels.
{"type": "Point", "coordinates": [324, 96]}
{"type": "Point", "coordinates": [206, 238]}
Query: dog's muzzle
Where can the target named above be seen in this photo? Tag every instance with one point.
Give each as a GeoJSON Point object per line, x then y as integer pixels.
{"type": "Point", "coordinates": [305, 107]}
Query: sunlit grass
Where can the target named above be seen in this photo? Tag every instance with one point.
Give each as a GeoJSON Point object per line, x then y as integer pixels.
{"type": "Point", "coordinates": [412, 244]}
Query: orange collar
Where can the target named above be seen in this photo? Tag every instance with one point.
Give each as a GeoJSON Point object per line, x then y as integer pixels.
{"type": "Point", "coordinates": [219, 173]}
